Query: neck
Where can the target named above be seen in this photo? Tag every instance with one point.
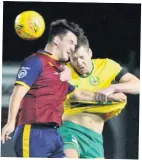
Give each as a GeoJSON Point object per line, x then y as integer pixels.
{"type": "Point", "coordinates": [90, 68]}
{"type": "Point", "coordinates": [52, 49]}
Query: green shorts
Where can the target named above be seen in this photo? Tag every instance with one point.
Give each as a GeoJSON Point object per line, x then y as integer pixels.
{"type": "Point", "coordinates": [86, 142]}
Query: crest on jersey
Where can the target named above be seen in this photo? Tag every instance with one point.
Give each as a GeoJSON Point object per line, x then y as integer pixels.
{"type": "Point", "coordinates": [94, 80]}
{"type": "Point", "coordinates": [23, 72]}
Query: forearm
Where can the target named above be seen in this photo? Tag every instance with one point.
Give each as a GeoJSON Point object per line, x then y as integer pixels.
{"type": "Point", "coordinates": [127, 84]}
{"type": "Point", "coordinates": [13, 109]}
{"type": "Point", "coordinates": [82, 95]}
{"type": "Point", "coordinates": [15, 100]}
{"type": "Point", "coordinates": [127, 87]}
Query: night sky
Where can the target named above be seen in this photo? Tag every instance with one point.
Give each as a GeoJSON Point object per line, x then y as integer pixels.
{"type": "Point", "coordinates": [112, 29]}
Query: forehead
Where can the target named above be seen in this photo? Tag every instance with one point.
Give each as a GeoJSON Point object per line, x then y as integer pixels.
{"type": "Point", "coordinates": [82, 51]}
{"type": "Point", "coordinates": [70, 36]}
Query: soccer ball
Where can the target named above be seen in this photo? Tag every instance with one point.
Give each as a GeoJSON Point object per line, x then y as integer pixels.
{"type": "Point", "coordinates": [29, 25]}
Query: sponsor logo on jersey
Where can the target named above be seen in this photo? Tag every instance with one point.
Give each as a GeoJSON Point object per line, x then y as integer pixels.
{"type": "Point", "coordinates": [23, 72]}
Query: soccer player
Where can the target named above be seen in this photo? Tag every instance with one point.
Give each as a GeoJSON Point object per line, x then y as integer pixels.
{"type": "Point", "coordinates": [39, 94]}
{"type": "Point", "coordinates": [83, 123]}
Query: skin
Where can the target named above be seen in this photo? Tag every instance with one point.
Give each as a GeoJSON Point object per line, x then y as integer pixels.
{"type": "Point", "coordinates": [81, 62]}
{"type": "Point", "coordinates": [62, 46]}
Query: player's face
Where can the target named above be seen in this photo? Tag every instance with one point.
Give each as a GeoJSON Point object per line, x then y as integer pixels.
{"type": "Point", "coordinates": [67, 45]}
{"type": "Point", "coordinates": [81, 60]}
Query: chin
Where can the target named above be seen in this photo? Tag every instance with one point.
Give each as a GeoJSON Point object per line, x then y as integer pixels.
{"type": "Point", "coordinates": [65, 59]}
{"type": "Point", "coordinates": [82, 73]}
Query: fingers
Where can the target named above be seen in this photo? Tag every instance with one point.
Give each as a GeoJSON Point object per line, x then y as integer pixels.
{"type": "Point", "coordinates": [56, 73]}
{"type": "Point", "coordinates": [123, 96]}
{"type": "Point", "coordinates": [101, 97]}
{"type": "Point", "coordinates": [3, 137]}
{"type": "Point", "coordinates": [5, 134]}
{"type": "Point", "coordinates": [117, 97]}
{"type": "Point", "coordinates": [63, 67]}
{"type": "Point", "coordinates": [65, 74]}
{"type": "Point", "coordinates": [65, 77]}
{"type": "Point", "coordinates": [7, 137]}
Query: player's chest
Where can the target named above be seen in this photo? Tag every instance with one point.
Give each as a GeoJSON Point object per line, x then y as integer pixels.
{"type": "Point", "coordinates": [93, 82]}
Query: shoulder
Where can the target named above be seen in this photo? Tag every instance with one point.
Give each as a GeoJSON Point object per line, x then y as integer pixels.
{"type": "Point", "coordinates": [100, 61]}
{"type": "Point", "coordinates": [33, 59]}
{"type": "Point", "coordinates": [74, 73]}
{"type": "Point", "coordinates": [70, 67]}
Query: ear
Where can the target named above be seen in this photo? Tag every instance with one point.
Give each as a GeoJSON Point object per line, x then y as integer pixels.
{"type": "Point", "coordinates": [56, 40]}
{"type": "Point", "coordinates": [90, 52]}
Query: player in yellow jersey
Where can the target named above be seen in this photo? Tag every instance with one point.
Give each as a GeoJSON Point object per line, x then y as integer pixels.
{"type": "Point", "coordinates": [83, 122]}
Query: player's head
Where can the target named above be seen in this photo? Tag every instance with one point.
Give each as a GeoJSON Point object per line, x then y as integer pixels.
{"type": "Point", "coordinates": [81, 58]}
{"type": "Point", "coordinates": [63, 35]}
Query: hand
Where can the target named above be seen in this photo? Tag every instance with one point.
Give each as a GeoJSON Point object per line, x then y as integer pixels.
{"type": "Point", "coordinates": [6, 131]}
{"type": "Point", "coordinates": [101, 96]}
{"type": "Point", "coordinates": [65, 74]}
{"type": "Point", "coordinates": [117, 97]}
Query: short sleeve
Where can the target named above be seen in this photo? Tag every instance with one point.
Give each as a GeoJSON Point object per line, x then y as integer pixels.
{"type": "Point", "coordinates": [120, 74]}
{"type": "Point", "coordinates": [29, 71]}
{"type": "Point", "coordinates": [115, 67]}
{"type": "Point", "coordinates": [71, 88]}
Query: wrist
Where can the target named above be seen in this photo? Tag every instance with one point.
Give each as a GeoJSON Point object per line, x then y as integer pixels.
{"type": "Point", "coordinates": [114, 87]}
{"type": "Point", "coordinates": [94, 97]}
{"type": "Point", "coordinates": [12, 121]}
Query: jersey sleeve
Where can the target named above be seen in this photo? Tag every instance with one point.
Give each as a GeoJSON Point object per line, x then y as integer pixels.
{"type": "Point", "coordinates": [29, 71]}
{"type": "Point", "coordinates": [117, 69]}
{"type": "Point", "coordinates": [71, 88]}
{"type": "Point", "coordinates": [121, 74]}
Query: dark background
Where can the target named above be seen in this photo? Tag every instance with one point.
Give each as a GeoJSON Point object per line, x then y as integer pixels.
{"type": "Point", "coordinates": [113, 31]}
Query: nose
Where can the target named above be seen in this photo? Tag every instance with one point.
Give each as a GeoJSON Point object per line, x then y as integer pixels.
{"type": "Point", "coordinates": [72, 49]}
{"type": "Point", "coordinates": [78, 62]}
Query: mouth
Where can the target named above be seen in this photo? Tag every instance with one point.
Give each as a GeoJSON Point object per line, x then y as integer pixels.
{"type": "Point", "coordinates": [81, 68]}
{"type": "Point", "coordinates": [68, 53]}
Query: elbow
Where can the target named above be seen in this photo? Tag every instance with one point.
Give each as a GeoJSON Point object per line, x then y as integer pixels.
{"type": "Point", "coordinates": [137, 87]}
{"type": "Point", "coordinates": [76, 95]}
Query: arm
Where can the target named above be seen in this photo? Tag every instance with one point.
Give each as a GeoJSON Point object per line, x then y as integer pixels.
{"type": "Point", "coordinates": [128, 83]}
{"type": "Point", "coordinates": [15, 100]}
{"type": "Point", "coordinates": [83, 95]}
{"type": "Point", "coordinates": [29, 71]}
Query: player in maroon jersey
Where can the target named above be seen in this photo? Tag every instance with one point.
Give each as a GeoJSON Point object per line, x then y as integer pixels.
{"type": "Point", "coordinates": [39, 93]}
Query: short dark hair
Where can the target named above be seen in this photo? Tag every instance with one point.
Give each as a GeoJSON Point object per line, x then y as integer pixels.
{"type": "Point", "coordinates": [82, 41]}
{"type": "Point", "coordinates": [62, 26]}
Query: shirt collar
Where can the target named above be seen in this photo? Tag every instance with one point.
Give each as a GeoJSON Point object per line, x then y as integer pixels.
{"type": "Point", "coordinates": [48, 54]}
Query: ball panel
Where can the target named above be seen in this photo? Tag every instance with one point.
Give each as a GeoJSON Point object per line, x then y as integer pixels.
{"type": "Point", "coordinates": [29, 25]}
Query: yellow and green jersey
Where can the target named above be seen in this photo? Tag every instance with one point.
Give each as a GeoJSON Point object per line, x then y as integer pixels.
{"type": "Point", "coordinates": [103, 73]}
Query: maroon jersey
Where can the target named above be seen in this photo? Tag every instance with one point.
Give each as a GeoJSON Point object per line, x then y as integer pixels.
{"type": "Point", "coordinates": [43, 102]}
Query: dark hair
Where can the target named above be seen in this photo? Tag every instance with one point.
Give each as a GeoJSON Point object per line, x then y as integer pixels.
{"type": "Point", "coordinates": [82, 41]}
{"type": "Point", "coordinates": [61, 27]}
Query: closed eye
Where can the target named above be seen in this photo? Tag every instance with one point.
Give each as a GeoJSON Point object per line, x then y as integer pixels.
{"type": "Point", "coordinates": [74, 59]}
{"type": "Point", "coordinates": [71, 42]}
{"type": "Point", "coordinates": [81, 57]}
